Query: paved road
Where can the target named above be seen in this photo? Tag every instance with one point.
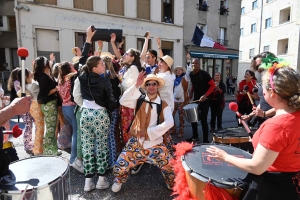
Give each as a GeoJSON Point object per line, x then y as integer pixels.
{"type": "Point", "coordinates": [148, 184]}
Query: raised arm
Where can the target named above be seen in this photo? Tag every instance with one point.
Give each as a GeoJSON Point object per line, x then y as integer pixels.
{"type": "Point", "coordinates": [113, 45]}
{"type": "Point", "coordinates": [145, 46]}
{"type": "Point", "coordinates": [160, 53]}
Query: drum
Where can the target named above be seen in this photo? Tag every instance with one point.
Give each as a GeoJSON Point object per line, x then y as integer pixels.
{"type": "Point", "coordinates": [200, 168]}
{"type": "Point", "coordinates": [237, 137]}
{"type": "Point", "coordinates": [46, 178]}
{"type": "Point", "coordinates": [191, 113]}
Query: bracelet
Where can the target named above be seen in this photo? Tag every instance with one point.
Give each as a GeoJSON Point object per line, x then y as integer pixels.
{"type": "Point", "coordinates": [264, 114]}
{"type": "Point", "coordinates": [159, 47]}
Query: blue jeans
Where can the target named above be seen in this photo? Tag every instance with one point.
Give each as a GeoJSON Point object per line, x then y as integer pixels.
{"type": "Point", "coordinates": [69, 115]}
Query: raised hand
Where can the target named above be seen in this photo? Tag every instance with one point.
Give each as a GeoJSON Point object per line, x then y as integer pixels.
{"type": "Point", "coordinates": [140, 79]}
{"type": "Point", "coordinates": [113, 38]}
{"type": "Point", "coordinates": [158, 41]}
{"type": "Point", "coordinates": [89, 34]}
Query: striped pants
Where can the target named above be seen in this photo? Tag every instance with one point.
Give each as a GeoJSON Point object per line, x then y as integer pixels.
{"type": "Point", "coordinates": [27, 134]}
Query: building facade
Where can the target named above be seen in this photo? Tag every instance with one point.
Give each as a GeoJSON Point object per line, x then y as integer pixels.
{"type": "Point", "coordinates": [56, 26]}
{"type": "Point", "coordinates": [269, 25]}
{"type": "Point", "coordinates": [220, 21]}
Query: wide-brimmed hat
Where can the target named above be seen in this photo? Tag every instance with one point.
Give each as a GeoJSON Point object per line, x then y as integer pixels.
{"type": "Point", "coordinates": [105, 53]}
{"type": "Point", "coordinates": [179, 67]}
{"type": "Point", "coordinates": [168, 60]}
{"type": "Point", "coordinates": [152, 77]}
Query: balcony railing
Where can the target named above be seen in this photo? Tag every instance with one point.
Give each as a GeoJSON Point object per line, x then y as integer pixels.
{"type": "Point", "coordinates": [202, 7]}
{"type": "Point", "coordinates": [223, 11]}
{"type": "Point", "coordinates": [222, 42]}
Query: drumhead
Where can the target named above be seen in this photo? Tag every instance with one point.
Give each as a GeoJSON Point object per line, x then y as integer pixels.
{"type": "Point", "coordinates": [36, 172]}
{"type": "Point", "coordinates": [222, 174]}
{"type": "Point", "coordinates": [189, 106]}
{"type": "Point", "coordinates": [233, 132]}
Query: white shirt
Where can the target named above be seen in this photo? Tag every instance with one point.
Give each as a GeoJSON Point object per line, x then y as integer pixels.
{"type": "Point", "coordinates": [166, 92]}
{"type": "Point", "coordinates": [155, 132]}
{"type": "Point", "coordinates": [130, 77]}
{"type": "Point", "coordinates": [33, 89]}
{"type": "Point", "coordinates": [77, 93]}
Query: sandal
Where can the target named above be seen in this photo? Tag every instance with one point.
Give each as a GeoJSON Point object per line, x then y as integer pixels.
{"type": "Point", "coordinates": [180, 135]}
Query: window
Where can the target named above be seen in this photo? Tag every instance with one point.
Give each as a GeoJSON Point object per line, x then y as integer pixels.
{"type": "Point", "coordinates": [253, 28]}
{"type": "Point", "coordinates": [266, 48]}
{"type": "Point", "coordinates": [268, 23]}
{"type": "Point", "coordinates": [12, 23]}
{"type": "Point", "coordinates": [202, 5]}
{"type": "Point", "coordinates": [51, 2]}
{"type": "Point", "coordinates": [269, 1]}
{"type": "Point", "coordinates": [251, 53]}
{"type": "Point", "coordinates": [285, 15]}
{"type": "Point", "coordinates": [85, 5]}
{"type": "Point", "coordinates": [143, 9]}
{"type": "Point", "coordinates": [222, 36]}
{"type": "Point", "coordinates": [243, 10]}
{"type": "Point", "coordinates": [140, 44]}
{"type": "Point", "coordinates": [80, 39]}
{"type": "Point", "coordinates": [242, 32]}
{"type": "Point", "coordinates": [1, 21]}
{"type": "Point", "coordinates": [254, 5]}
{"type": "Point", "coordinates": [283, 46]}
{"type": "Point", "coordinates": [167, 48]}
{"type": "Point", "coordinates": [115, 7]}
{"type": "Point", "coordinates": [240, 55]}
{"type": "Point", "coordinates": [167, 11]}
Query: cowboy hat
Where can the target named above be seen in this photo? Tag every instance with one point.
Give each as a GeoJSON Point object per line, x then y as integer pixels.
{"type": "Point", "coordinates": [179, 67]}
{"type": "Point", "coordinates": [105, 53]}
{"type": "Point", "coordinates": [167, 59]}
{"type": "Point", "coordinates": [152, 77]}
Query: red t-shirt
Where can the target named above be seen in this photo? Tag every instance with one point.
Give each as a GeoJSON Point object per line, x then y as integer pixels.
{"type": "Point", "coordinates": [281, 134]}
{"type": "Point", "coordinates": [250, 84]}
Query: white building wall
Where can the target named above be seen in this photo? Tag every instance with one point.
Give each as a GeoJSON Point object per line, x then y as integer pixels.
{"type": "Point", "coordinates": [270, 36]}
{"type": "Point", "coordinates": [69, 21]}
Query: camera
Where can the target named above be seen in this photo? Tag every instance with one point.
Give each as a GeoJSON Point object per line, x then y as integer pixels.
{"type": "Point", "coordinates": [104, 34]}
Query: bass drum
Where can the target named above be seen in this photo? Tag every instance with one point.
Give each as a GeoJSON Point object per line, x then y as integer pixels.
{"type": "Point", "coordinates": [38, 178]}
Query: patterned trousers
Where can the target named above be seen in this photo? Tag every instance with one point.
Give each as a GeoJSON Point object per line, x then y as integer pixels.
{"type": "Point", "coordinates": [178, 106]}
{"type": "Point", "coordinates": [126, 119]}
{"type": "Point", "coordinates": [79, 146]}
{"type": "Point", "coordinates": [63, 131]}
{"type": "Point", "coordinates": [50, 116]}
{"type": "Point", "coordinates": [38, 116]}
{"type": "Point", "coordinates": [27, 134]}
{"type": "Point", "coordinates": [133, 154]}
{"type": "Point", "coordinates": [111, 137]}
{"type": "Point", "coordinates": [94, 124]}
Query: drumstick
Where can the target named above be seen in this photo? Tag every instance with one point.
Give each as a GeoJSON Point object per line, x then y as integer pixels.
{"type": "Point", "coordinates": [247, 128]}
{"type": "Point", "coordinates": [24, 192]}
{"type": "Point", "coordinates": [246, 89]}
{"type": "Point", "coordinates": [195, 101]}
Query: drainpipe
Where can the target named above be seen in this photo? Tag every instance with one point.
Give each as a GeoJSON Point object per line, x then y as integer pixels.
{"type": "Point", "coordinates": [17, 25]}
{"type": "Point", "coordinates": [261, 16]}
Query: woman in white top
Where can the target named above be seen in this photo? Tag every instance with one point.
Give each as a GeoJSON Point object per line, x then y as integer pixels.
{"type": "Point", "coordinates": [128, 76]}
{"type": "Point", "coordinates": [166, 92]}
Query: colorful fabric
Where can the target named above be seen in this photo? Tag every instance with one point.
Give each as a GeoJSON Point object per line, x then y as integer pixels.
{"type": "Point", "coordinates": [126, 119]}
{"type": "Point", "coordinates": [94, 124]}
{"type": "Point", "coordinates": [179, 107]}
{"type": "Point", "coordinates": [27, 134]}
{"type": "Point", "coordinates": [38, 116]}
{"type": "Point", "coordinates": [64, 91]}
{"type": "Point", "coordinates": [50, 116]}
{"type": "Point", "coordinates": [111, 138]}
{"type": "Point", "coordinates": [64, 139]}
{"type": "Point", "coordinates": [133, 154]}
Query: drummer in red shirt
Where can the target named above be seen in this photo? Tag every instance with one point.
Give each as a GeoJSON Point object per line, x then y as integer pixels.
{"type": "Point", "coordinates": [275, 165]}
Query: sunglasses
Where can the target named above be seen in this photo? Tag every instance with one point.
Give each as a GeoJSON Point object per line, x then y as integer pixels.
{"type": "Point", "coordinates": [126, 54]}
{"type": "Point", "coordinates": [151, 84]}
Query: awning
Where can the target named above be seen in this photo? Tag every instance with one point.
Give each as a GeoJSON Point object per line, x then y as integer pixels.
{"type": "Point", "coordinates": [197, 54]}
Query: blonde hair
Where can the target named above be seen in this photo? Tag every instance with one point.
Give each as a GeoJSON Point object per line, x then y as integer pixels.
{"type": "Point", "coordinates": [109, 65]}
{"type": "Point", "coordinates": [286, 83]}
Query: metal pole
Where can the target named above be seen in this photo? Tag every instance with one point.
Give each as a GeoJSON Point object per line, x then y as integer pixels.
{"type": "Point", "coordinates": [261, 16]}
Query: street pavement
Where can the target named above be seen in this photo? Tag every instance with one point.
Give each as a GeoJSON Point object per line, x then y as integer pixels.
{"type": "Point", "coordinates": [147, 184]}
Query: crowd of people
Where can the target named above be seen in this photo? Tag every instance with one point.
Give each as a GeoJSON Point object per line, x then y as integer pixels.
{"type": "Point", "coordinates": [117, 111]}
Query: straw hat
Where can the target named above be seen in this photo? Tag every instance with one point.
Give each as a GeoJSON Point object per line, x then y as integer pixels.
{"type": "Point", "coordinates": [179, 67]}
{"type": "Point", "coordinates": [153, 77]}
{"type": "Point", "coordinates": [105, 53]}
{"type": "Point", "coordinates": [168, 60]}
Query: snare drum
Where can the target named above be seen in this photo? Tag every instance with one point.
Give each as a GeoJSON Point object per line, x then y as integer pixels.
{"type": "Point", "coordinates": [46, 178]}
{"type": "Point", "coordinates": [191, 113]}
{"type": "Point", "coordinates": [200, 168]}
{"type": "Point", "coordinates": [237, 137]}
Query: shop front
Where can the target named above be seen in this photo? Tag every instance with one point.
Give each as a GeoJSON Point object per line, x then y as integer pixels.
{"type": "Point", "coordinates": [224, 63]}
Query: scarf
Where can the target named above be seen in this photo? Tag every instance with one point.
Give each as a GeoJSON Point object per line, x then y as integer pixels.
{"type": "Point", "coordinates": [178, 79]}
{"type": "Point", "coordinates": [150, 68]}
